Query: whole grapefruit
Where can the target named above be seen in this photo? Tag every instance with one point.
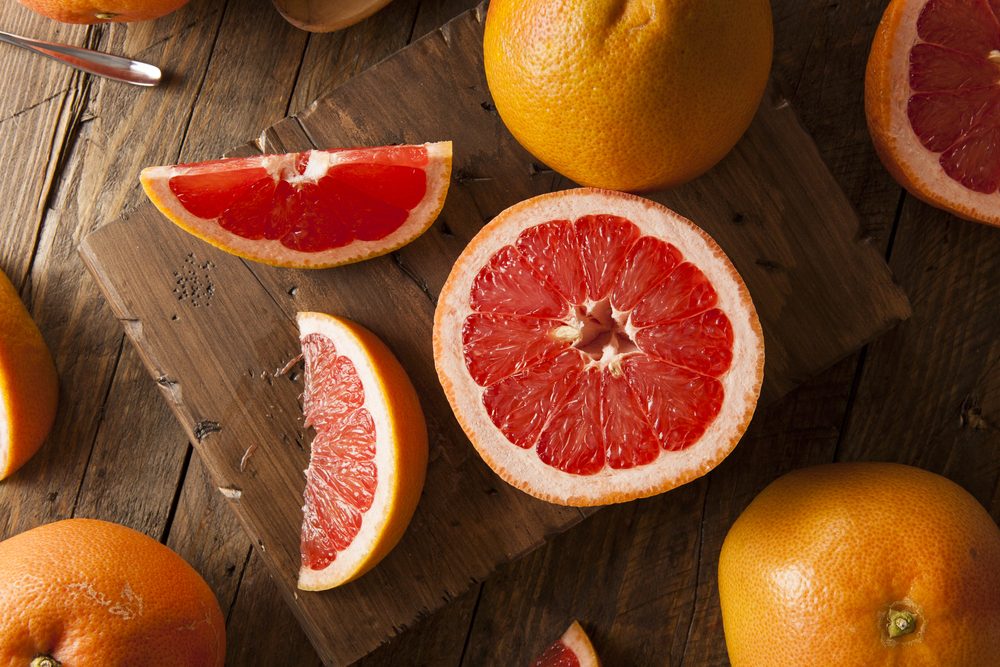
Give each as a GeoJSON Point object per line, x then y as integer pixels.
{"type": "Point", "coordinates": [862, 564]}
{"type": "Point", "coordinates": [630, 95]}
{"type": "Point", "coordinates": [87, 592]}
{"type": "Point", "coordinates": [103, 11]}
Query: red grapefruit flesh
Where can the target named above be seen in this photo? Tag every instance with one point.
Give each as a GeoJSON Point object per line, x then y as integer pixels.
{"type": "Point", "coordinates": [932, 96]}
{"type": "Point", "coordinates": [312, 209]}
{"type": "Point", "coordinates": [369, 456]}
{"type": "Point", "coordinates": [573, 649]}
{"type": "Point", "coordinates": [597, 347]}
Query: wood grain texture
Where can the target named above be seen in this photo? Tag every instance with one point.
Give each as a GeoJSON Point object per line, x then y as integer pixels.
{"type": "Point", "coordinates": [84, 186]}
{"type": "Point", "coordinates": [184, 316]}
{"type": "Point", "coordinates": [946, 360]}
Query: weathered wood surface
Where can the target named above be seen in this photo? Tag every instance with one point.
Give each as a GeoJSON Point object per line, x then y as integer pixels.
{"type": "Point", "coordinates": [71, 147]}
{"type": "Point", "coordinates": [212, 328]}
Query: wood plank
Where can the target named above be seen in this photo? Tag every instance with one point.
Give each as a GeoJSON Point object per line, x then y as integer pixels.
{"type": "Point", "coordinates": [34, 120]}
{"type": "Point", "coordinates": [332, 58]}
{"type": "Point", "coordinates": [858, 306]}
{"type": "Point", "coordinates": [137, 459]}
{"type": "Point", "coordinates": [945, 362]}
{"type": "Point", "coordinates": [265, 635]}
{"type": "Point", "coordinates": [437, 640]}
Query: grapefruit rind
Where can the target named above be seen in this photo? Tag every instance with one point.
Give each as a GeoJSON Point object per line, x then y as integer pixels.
{"type": "Point", "coordinates": [155, 182]}
{"type": "Point", "coordinates": [579, 643]}
{"type": "Point", "coordinates": [522, 468]}
{"type": "Point", "coordinates": [400, 449]}
{"type": "Point", "coordinates": [887, 88]}
{"type": "Point", "coordinates": [5, 444]}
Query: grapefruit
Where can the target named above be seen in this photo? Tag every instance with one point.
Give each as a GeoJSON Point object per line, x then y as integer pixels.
{"type": "Point", "coordinates": [87, 592]}
{"type": "Point", "coordinates": [29, 388]}
{"type": "Point", "coordinates": [932, 98]}
{"type": "Point", "coordinates": [862, 564]}
{"type": "Point", "coordinates": [369, 456]}
{"type": "Point", "coordinates": [103, 11]}
{"type": "Point", "coordinates": [597, 347]}
{"type": "Point", "coordinates": [628, 95]}
{"type": "Point", "coordinates": [312, 209]}
{"type": "Point", "coordinates": [573, 649]}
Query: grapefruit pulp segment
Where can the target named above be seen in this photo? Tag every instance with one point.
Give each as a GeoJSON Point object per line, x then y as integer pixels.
{"type": "Point", "coordinates": [339, 486]}
{"type": "Point", "coordinates": [368, 457]}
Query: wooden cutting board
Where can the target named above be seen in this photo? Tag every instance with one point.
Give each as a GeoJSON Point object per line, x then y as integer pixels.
{"type": "Point", "coordinates": [214, 329]}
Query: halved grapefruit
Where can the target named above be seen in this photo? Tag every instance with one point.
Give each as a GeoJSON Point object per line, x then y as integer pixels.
{"type": "Point", "coordinates": [313, 209]}
{"type": "Point", "coordinates": [369, 456]}
{"type": "Point", "coordinates": [597, 347]}
{"type": "Point", "coordinates": [573, 649]}
{"type": "Point", "coordinates": [932, 97]}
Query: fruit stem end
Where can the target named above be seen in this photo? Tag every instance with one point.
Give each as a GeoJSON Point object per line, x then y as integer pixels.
{"type": "Point", "coordinates": [901, 623]}
{"type": "Point", "coordinates": [44, 661]}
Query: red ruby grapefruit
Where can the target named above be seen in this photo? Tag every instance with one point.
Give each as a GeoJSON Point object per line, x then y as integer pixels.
{"type": "Point", "coordinates": [573, 649]}
{"type": "Point", "coordinates": [597, 347]}
{"type": "Point", "coordinates": [932, 98]}
{"type": "Point", "coordinates": [312, 209]}
{"type": "Point", "coordinates": [369, 456]}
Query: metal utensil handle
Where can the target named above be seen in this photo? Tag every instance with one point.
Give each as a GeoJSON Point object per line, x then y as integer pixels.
{"type": "Point", "coordinates": [95, 62]}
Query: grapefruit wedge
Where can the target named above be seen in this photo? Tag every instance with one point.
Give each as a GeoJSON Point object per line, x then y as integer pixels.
{"type": "Point", "coordinates": [573, 649]}
{"type": "Point", "coordinates": [597, 347]}
{"type": "Point", "coordinates": [932, 98]}
{"type": "Point", "coordinates": [313, 209]}
{"type": "Point", "coordinates": [369, 456]}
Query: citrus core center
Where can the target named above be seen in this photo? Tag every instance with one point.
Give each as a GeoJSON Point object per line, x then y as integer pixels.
{"type": "Point", "coordinates": [902, 623]}
{"type": "Point", "coordinates": [599, 331]}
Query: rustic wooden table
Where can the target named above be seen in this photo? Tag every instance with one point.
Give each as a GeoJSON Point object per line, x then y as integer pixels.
{"type": "Point", "coordinates": [641, 577]}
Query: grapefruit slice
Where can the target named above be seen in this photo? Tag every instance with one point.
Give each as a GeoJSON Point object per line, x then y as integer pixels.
{"type": "Point", "coordinates": [369, 456]}
{"type": "Point", "coordinates": [932, 98]}
{"type": "Point", "coordinates": [313, 209]}
{"type": "Point", "coordinates": [597, 347]}
{"type": "Point", "coordinates": [573, 649]}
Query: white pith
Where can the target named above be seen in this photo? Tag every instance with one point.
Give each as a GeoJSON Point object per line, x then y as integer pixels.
{"type": "Point", "coordinates": [522, 467]}
{"type": "Point", "coordinates": [578, 642]}
{"type": "Point", "coordinates": [438, 172]}
{"type": "Point", "coordinates": [585, 327]}
{"type": "Point", "coordinates": [922, 165]}
{"type": "Point", "coordinates": [347, 562]}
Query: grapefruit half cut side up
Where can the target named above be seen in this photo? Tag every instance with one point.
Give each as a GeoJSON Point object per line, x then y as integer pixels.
{"type": "Point", "coordinates": [368, 458]}
{"type": "Point", "coordinates": [573, 649]}
{"type": "Point", "coordinates": [932, 99]}
{"type": "Point", "coordinates": [597, 347]}
{"type": "Point", "coordinates": [313, 209]}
